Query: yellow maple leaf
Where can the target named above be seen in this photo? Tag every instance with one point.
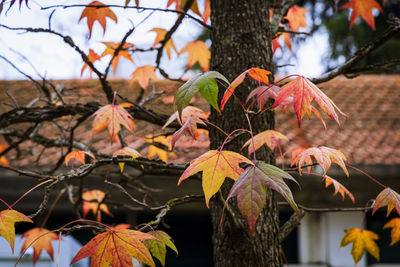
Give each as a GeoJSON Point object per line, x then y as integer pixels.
{"type": "Point", "coordinates": [198, 52]}
{"type": "Point", "coordinates": [159, 37]}
{"type": "Point", "coordinates": [216, 166]}
{"type": "Point", "coordinates": [162, 154]}
{"type": "Point", "coordinates": [395, 233]}
{"type": "Point", "coordinates": [362, 240]}
{"type": "Point", "coordinates": [7, 220]}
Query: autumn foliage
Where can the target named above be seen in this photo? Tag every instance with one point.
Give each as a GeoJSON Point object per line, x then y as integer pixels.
{"type": "Point", "coordinates": [252, 178]}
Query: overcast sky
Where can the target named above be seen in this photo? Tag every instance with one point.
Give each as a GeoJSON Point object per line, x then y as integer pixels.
{"type": "Point", "coordinates": [56, 60]}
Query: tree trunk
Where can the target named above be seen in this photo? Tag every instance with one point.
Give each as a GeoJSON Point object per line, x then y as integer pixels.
{"type": "Point", "coordinates": [241, 39]}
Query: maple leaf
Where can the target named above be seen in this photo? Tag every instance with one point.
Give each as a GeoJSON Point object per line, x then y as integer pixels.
{"type": "Point", "coordinates": [251, 188]}
{"type": "Point", "coordinates": [128, 1]}
{"type": "Point", "coordinates": [257, 74]}
{"type": "Point", "coordinates": [198, 52]}
{"type": "Point", "coordinates": [324, 157]}
{"type": "Point", "coordinates": [296, 17]}
{"type": "Point", "coordinates": [113, 116]}
{"type": "Point", "coordinates": [339, 188]}
{"type": "Point", "coordinates": [268, 137]}
{"type": "Point", "coordinates": [92, 58]}
{"type": "Point", "coordinates": [116, 247]}
{"type": "Point", "coordinates": [12, 3]}
{"type": "Point", "coordinates": [179, 4]}
{"type": "Point", "coordinates": [7, 220]}
{"type": "Point", "coordinates": [207, 11]}
{"type": "Point", "coordinates": [40, 239]}
{"type": "Point", "coordinates": [144, 75]}
{"type": "Point", "coordinates": [77, 155]}
{"type": "Point", "coordinates": [126, 151]}
{"type": "Point", "coordinates": [190, 127]}
{"type": "Point", "coordinates": [263, 93]}
{"type": "Point", "coordinates": [395, 232]}
{"type": "Point", "coordinates": [3, 160]}
{"type": "Point", "coordinates": [110, 50]}
{"type": "Point", "coordinates": [162, 154]}
{"type": "Point", "coordinates": [205, 84]}
{"type": "Point", "coordinates": [216, 166]}
{"type": "Point", "coordinates": [158, 246]}
{"type": "Point", "coordinates": [362, 8]}
{"type": "Point", "coordinates": [362, 240]}
{"type": "Point", "coordinates": [100, 14]}
{"type": "Point", "coordinates": [188, 112]}
{"type": "Point", "coordinates": [304, 91]}
{"type": "Point", "coordinates": [389, 198]}
{"type": "Point", "coordinates": [88, 204]}
{"type": "Point", "coordinates": [169, 45]}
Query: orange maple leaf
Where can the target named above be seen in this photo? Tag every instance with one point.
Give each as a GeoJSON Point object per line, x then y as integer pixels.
{"type": "Point", "coordinates": [389, 198]}
{"type": "Point", "coordinates": [162, 154]}
{"type": "Point", "coordinates": [179, 4]}
{"type": "Point", "coordinates": [362, 8]}
{"type": "Point", "coordinates": [39, 239]}
{"type": "Point", "coordinates": [324, 156]}
{"type": "Point", "coordinates": [362, 240]}
{"type": "Point", "coordinates": [116, 247]}
{"type": "Point", "coordinates": [268, 137]}
{"type": "Point", "coordinates": [159, 37]}
{"type": "Point", "coordinates": [3, 160]}
{"type": "Point", "coordinates": [198, 52]}
{"type": "Point", "coordinates": [216, 166]}
{"type": "Point", "coordinates": [113, 116]}
{"type": "Point", "coordinates": [100, 14]}
{"type": "Point", "coordinates": [257, 74]}
{"type": "Point", "coordinates": [77, 155]}
{"type": "Point", "coordinates": [92, 58]}
{"type": "Point", "coordinates": [144, 75]}
{"type": "Point", "coordinates": [88, 204]}
{"type": "Point", "coordinates": [7, 220]}
{"type": "Point", "coordinates": [110, 50]}
{"type": "Point", "coordinates": [127, 2]}
{"type": "Point", "coordinates": [339, 188]}
{"type": "Point", "coordinates": [304, 92]}
{"type": "Point", "coordinates": [296, 17]}
{"type": "Point", "coordinates": [395, 232]}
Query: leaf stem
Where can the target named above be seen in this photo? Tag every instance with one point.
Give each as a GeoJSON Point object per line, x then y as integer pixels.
{"type": "Point", "coordinates": [229, 135]}
{"type": "Point", "coordinates": [252, 138]}
{"type": "Point", "coordinates": [29, 191]}
{"type": "Point", "coordinates": [5, 203]}
{"type": "Point", "coordinates": [369, 176]}
{"type": "Point", "coordinates": [52, 207]}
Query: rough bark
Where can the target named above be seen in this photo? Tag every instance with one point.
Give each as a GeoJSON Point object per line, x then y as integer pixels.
{"type": "Point", "coordinates": [241, 39]}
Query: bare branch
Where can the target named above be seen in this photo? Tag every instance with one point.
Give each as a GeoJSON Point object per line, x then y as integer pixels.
{"type": "Point", "coordinates": [346, 68]}
{"type": "Point", "coordinates": [134, 7]}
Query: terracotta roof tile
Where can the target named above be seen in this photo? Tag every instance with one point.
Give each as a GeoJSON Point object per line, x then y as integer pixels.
{"type": "Point", "coordinates": [371, 135]}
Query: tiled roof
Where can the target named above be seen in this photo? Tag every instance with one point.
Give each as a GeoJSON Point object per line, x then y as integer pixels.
{"type": "Point", "coordinates": [371, 135]}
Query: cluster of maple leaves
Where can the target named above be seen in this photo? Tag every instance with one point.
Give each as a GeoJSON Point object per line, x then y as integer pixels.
{"type": "Point", "coordinates": [117, 245]}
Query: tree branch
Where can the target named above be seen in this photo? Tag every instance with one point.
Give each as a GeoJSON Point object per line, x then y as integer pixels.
{"type": "Point", "coordinates": [346, 68]}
